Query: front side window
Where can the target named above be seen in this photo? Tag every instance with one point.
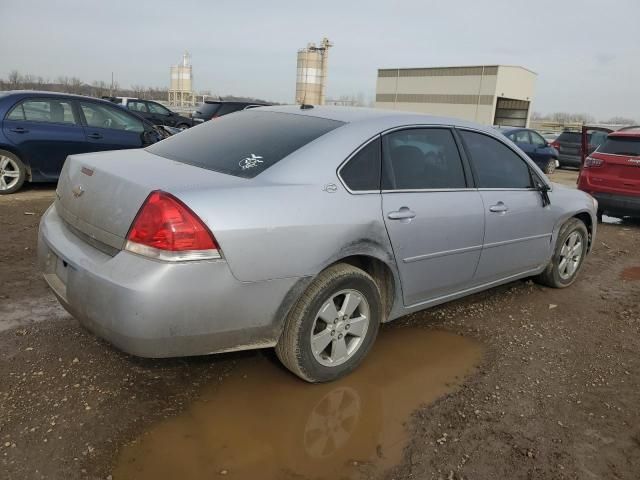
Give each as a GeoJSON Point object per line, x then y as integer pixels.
{"type": "Point", "coordinates": [104, 116]}
{"type": "Point", "coordinates": [422, 158]}
{"type": "Point", "coordinates": [158, 109]}
{"type": "Point", "coordinates": [496, 165]}
{"type": "Point", "coordinates": [44, 110]}
{"type": "Point", "coordinates": [244, 144]}
{"type": "Point", "coordinates": [137, 106]}
{"type": "Point", "coordinates": [537, 140]}
{"type": "Point", "coordinates": [362, 172]}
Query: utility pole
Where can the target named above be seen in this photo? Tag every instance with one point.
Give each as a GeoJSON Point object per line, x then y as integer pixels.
{"type": "Point", "coordinates": [111, 88]}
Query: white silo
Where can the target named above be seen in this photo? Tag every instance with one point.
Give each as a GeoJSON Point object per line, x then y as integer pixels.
{"type": "Point", "coordinates": [181, 83]}
{"type": "Point", "coordinates": [311, 78]}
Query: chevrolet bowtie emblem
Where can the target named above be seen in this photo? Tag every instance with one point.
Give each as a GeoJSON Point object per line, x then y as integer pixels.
{"type": "Point", "coordinates": [77, 191]}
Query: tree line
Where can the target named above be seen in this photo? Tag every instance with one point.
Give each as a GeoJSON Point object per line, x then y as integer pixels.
{"type": "Point", "coordinates": [584, 118]}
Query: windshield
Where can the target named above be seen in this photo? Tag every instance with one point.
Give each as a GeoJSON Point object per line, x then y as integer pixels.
{"type": "Point", "coordinates": [621, 146]}
{"type": "Point", "coordinates": [244, 144]}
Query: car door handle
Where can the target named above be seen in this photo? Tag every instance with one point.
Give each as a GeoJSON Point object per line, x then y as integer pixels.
{"type": "Point", "coordinates": [95, 136]}
{"type": "Point", "coordinates": [19, 130]}
{"type": "Point", "coordinates": [498, 208]}
{"type": "Point", "coordinates": [403, 214]}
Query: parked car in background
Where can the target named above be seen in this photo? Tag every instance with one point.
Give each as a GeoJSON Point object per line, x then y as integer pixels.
{"type": "Point", "coordinates": [40, 129]}
{"type": "Point", "coordinates": [211, 109]}
{"type": "Point", "coordinates": [385, 213]}
{"type": "Point", "coordinates": [569, 146]}
{"type": "Point", "coordinates": [154, 112]}
{"type": "Point", "coordinates": [549, 136]}
{"type": "Point", "coordinates": [612, 173]}
{"type": "Point", "coordinates": [536, 147]}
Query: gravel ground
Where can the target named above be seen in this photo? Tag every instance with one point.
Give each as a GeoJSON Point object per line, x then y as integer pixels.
{"type": "Point", "coordinates": [556, 395]}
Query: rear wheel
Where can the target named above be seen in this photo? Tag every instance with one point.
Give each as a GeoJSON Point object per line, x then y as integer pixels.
{"type": "Point", "coordinates": [12, 173]}
{"type": "Point", "coordinates": [333, 325]}
{"type": "Point", "coordinates": [550, 167]}
{"type": "Point", "coordinates": [182, 126]}
{"type": "Point", "coordinates": [571, 248]}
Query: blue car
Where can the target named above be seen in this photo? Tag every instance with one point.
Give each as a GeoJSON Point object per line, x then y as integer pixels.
{"type": "Point", "coordinates": [536, 147]}
{"type": "Point", "coordinates": [39, 129]}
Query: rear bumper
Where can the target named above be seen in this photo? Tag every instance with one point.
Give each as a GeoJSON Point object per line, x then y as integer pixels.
{"type": "Point", "coordinates": [158, 309]}
{"type": "Point", "coordinates": [569, 160]}
{"type": "Point", "coordinates": [620, 204]}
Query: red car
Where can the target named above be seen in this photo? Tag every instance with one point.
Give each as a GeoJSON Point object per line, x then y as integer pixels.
{"type": "Point", "coordinates": [612, 173]}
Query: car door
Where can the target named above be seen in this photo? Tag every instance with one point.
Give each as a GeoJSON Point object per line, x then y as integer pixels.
{"type": "Point", "coordinates": [140, 108]}
{"type": "Point", "coordinates": [518, 225]}
{"type": "Point", "coordinates": [434, 216]}
{"type": "Point", "coordinates": [160, 115]}
{"type": "Point", "coordinates": [542, 151]}
{"type": "Point", "coordinates": [44, 131]}
{"type": "Point", "coordinates": [110, 128]}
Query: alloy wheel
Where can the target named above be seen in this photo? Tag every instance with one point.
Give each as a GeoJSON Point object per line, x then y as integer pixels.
{"type": "Point", "coordinates": [570, 255]}
{"type": "Point", "coordinates": [340, 327]}
{"type": "Point", "coordinates": [9, 172]}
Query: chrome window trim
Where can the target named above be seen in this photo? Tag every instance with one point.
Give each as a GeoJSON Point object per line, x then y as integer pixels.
{"type": "Point", "coordinates": [433, 190]}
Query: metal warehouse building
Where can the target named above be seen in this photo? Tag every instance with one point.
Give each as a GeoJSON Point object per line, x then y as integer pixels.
{"type": "Point", "coordinates": [487, 94]}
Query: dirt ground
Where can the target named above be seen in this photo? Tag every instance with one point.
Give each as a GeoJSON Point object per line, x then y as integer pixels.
{"type": "Point", "coordinates": [556, 395]}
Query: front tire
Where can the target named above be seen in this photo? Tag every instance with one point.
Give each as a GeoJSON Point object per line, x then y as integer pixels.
{"type": "Point", "coordinates": [333, 325]}
{"type": "Point", "coordinates": [550, 167]}
{"type": "Point", "coordinates": [182, 126]}
{"type": "Point", "coordinates": [12, 173]}
{"type": "Point", "coordinates": [568, 256]}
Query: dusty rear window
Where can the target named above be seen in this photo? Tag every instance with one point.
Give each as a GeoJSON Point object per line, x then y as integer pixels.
{"type": "Point", "coordinates": [243, 144]}
{"type": "Point", "coordinates": [621, 146]}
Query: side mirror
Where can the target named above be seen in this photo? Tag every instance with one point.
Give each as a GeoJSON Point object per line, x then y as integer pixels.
{"type": "Point", "coordinates": [543, 188]}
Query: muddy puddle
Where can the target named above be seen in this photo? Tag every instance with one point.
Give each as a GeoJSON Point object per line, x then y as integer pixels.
{"type": "Point", "coordinates": [262, 422]}
{"type": "Point", "coordinates": [631, 273]}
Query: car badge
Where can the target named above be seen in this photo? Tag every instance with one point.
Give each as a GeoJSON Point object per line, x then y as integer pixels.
{"type": "Point", "coordinates": [87, 171]}
{"type": "Point", "coordinates": [635, 160]}
{"type": "Point", "coordinates": [77, 191]}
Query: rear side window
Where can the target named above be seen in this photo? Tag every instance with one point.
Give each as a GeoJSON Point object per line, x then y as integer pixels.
{"type": "Point", "coordinates": [245, 144]}
{"type": "Point", "coordinates": [44, 110]}
{"type": "Point", "coordinates": [362, 172]}
{"type": "Point", "coordinates": [207, 109]}
{"type": "Point", "coordinates": [621, 146]}
{"type": "Point", "coordinates": [114, 118]}
{"type": "Point", "coordinates": [422, 158]}
{"type": "Point", "coordinates": [496, 165]}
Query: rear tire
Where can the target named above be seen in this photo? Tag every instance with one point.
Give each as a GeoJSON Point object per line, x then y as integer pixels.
{"type": "Point", "coordinates": [12, 173]}
{"type": "Point", "coordinates": [332, 326]}
{"type": "Point", "coordinates": [568, 256]}
{"type": "Point", "coordinates": [182, 126]}
{"type": "Point", "coordinates": [550, 167]}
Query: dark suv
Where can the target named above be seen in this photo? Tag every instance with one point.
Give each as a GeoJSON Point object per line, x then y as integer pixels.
{"type": "Point", "coordinates": [155, 112]}
{"type": "Point", "coordinates": [569, 146]}
{"type": "Point", "coordinates": [211, 109]}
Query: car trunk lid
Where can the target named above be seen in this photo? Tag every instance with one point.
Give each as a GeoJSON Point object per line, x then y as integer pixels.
{"type": "Point", "coordinates": [99, 194]}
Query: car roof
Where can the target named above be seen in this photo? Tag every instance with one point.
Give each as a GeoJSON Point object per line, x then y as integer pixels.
{"type": "Point", "coordinates": [375, 115]}
{"type": "Point", "coordinates": [633, 132]}
{"type": "Point", "coordinates": [40, 93]}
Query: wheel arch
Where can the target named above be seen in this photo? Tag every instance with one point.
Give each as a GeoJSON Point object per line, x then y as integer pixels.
{"type": "Point", "coordinates": [585, 217]}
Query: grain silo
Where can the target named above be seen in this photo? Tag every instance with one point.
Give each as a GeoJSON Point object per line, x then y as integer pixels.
{"type": "Point", "coordinates": [311, 77]}
{"type": "Point", "coordinates": [181, 83]}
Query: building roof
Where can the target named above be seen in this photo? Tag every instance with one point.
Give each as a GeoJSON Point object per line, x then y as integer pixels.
{"type": "Point", "coordinates": [456, 67]}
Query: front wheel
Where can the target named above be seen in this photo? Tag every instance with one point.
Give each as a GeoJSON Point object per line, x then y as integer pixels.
{"type": "Point", "coordinates": [182, 126]}
{"type": "Point", "coordinates": [568, 256]}
{"type": "Point", "coordinates": [550, 167]}
{"type": "Point", "coordinates": [332, 326]}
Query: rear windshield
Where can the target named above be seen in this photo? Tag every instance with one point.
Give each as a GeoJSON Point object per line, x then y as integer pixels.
{"type": "Point", "coordinates": [243, 144]}
{"type": "Point", "coordinates": [573, 137]}
{"type": "Point", "coordinates": [621, 146]}
{"type": "Point", "coordinates": [207, 108]}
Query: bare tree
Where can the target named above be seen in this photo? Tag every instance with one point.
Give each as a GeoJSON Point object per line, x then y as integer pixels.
{"type": "Point", "coordinates": [621, 121]}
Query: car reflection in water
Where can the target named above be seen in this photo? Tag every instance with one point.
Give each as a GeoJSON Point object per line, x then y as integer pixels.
{"type": "Point", "coordinates": [262, 422]}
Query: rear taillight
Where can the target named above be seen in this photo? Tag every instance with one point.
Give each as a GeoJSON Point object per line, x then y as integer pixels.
{"type": "Point", "coordinates": [555, 145]}
{"type": "Point", "coordinates": [166, 229]}
{"type": "Point", "coordinates": [591, 162]}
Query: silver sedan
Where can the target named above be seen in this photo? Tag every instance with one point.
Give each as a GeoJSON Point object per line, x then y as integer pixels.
{"type": "Point", "coordinates": [301, 229]}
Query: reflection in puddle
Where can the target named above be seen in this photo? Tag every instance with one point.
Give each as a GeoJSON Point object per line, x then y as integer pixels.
{"type": "Point", "coordinates": [631, 273]}
{"type": "Point", "coordinates": [262, 422]}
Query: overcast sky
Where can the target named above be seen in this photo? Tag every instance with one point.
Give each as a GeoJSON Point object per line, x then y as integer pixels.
{"type": "Point", "coordinates": [586, 53]}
